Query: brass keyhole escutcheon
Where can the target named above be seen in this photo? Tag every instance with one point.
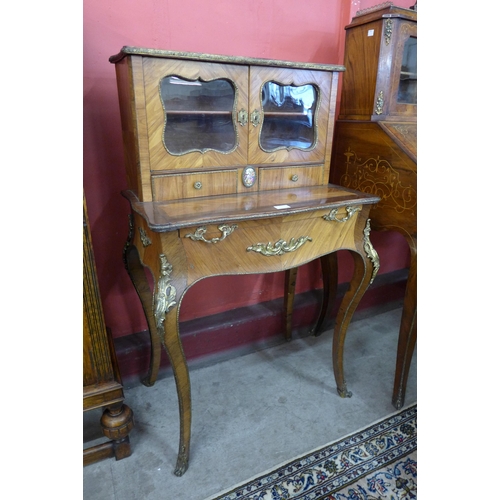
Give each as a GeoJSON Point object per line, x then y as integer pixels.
{"type": "Point", "coordinates": [242, 117]}
{"type": "Point", "coordinates": [198, 185]}
{"type": "Point", "coordinates": [255, 117]}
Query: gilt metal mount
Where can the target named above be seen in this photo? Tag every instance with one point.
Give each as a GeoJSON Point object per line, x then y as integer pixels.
{"type": "Point", "coordinates": [242, 117]}
{"type": "Point", "coordinates": [255, 117]}
{"type": "Point", "coordinates": [280, 247]}
{"type": "Point", "coordinates": [332, 216]}
{"type": "Point", "coordinates": [199, 234]}
{"type": "Point", "coordinates": [388, 31]}
{"type": "Point", "coordinates": [380, 103]}
{"type": "Point", "coordinates": [144, 237]}
{"type": "Point", "coordinates": [166, 293]}
{"type": "Point", "coordinates": [370, 251]}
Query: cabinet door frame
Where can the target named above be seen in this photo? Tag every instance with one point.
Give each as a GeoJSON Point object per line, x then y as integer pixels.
{"type": "Point", "coordinates": [154, 70]}
{"type": "Point", "coordinates": [388, 81]}
{"type": "Point", "coordinates": [322, 80]}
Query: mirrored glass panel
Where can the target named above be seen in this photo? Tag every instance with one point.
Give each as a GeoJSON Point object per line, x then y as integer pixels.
{"type": "Point", "coordinates": [288, 120]}
{"type": "Point", "coordinates": [198, 115]}
{"type": "Point", "coordinates": [407, 91]}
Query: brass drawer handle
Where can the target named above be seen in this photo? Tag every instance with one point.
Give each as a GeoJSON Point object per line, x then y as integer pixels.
{"type": "Point", "coordinates": [199, 234]}
{"type": "Point", "coordinates": [350, 211]}
{"type": "Point", "coordinates": [242, 117]}
{"type": "Point", "coordinates": [255, 117]}
{"type": "Point", "coordinates": [295, 178]}
{"type": "Point", "coordinates": [280, 247]}
{"type": "Point", "coordinates": [197, 185]}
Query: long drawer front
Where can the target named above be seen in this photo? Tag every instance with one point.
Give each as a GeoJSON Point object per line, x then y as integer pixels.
{"type": "Point", "coordinates": [268, 245]}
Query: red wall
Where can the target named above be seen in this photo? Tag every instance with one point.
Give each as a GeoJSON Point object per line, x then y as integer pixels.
{"type": "Point", "coordinates": [301, 30]}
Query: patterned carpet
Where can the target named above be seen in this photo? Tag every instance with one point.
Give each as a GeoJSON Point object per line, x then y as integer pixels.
{"type": "Point", "coordinates": [376, 463]}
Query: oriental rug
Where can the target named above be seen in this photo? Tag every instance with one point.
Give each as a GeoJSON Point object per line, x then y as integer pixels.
{"type": "Point", "coordinates": [378, 462]}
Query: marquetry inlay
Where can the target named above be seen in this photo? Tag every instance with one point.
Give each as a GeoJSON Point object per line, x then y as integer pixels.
{"type": "Point", "coordinates": [378, 177]}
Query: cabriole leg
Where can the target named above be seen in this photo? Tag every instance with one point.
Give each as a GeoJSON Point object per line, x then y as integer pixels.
{"type": "Point", "coordinates": [366, 265]}
{"type": "Point", "coordinates": [137, 274]}
{"type": "Point", "coordinates": [166, 305]}
{"type": "Point", "coordinates": [290, 281]}
{"type": "Point", "coordinates": [407, 333]}
{"type": "Point", "coordinates": [329, 269]}
{"type": "Point", "coordinates": [172, 344]}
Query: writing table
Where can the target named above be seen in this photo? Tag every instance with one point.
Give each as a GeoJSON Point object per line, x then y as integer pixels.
{"type": "Point", "coordinates": [185, 241]}
{"type": "Point", "coordinates": [227, 161]}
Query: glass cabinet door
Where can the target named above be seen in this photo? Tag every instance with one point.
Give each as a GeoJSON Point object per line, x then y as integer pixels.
{"type": "Point", "coordinates": [198, 115]}
{"type": "Point", "coordinates": [288, 115]}
{"type": "Point", "coordinates": [194, 117]}
{"type": "Point", "coordinates": [407, 90]}
{"type": "Point", "coordinates": [400, 85]}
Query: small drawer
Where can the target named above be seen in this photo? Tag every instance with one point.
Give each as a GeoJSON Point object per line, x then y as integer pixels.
{"type": "Point", "coordinates": [290, 177]}
{"type": "Point", "coordinates": [193, 185]}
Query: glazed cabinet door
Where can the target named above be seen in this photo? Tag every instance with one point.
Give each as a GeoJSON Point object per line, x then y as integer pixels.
{"type": "Point", "coordinates": [396, 89]}
{"type": "Point", "coordinates": [288, 115]}
{"type": "Point", "coordinates": [195, 114]}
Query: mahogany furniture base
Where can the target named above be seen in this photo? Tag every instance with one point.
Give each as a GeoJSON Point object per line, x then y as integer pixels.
{"type": "Point", "coordinates": [182, 242]}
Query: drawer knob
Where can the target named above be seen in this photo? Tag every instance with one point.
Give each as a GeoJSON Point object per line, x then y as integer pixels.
{"type": "Point", "coordinates": [198, 185]}
{"type": "Point", "coordinates": [295, 178]}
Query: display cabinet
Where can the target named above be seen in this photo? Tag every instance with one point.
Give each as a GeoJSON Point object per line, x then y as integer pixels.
{"type": "Point", "coordinates": [228, 163]}
{"type": "Point", "coordinates": [196, 125]}
{"type": "Point", "coordinates": [375, 146]}
{"type": "Point", "coordinates": [380, 82]}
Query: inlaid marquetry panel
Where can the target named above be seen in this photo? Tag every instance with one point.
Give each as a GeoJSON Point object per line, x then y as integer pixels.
{"type": "Point", "coordinates": [369, 160]}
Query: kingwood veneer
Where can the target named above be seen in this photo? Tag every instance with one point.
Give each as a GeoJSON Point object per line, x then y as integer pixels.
{"type": "Point", "coordinates": [228, 161]}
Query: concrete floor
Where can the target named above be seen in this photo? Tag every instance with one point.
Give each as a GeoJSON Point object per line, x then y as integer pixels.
{"type": "Point", "coordinates": [252, 413]}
